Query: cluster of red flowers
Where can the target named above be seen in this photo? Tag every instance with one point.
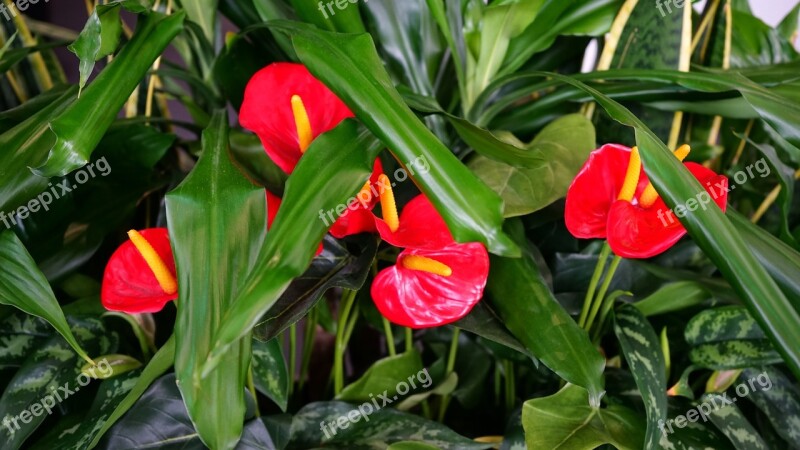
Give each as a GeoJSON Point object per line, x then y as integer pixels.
{"type": "Point", "coordinates": [435, 280]}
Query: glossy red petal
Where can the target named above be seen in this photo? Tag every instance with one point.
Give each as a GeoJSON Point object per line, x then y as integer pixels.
{"type": "Point", "coordinates": [267, 109]}
{"type": "Point", "coordinates": [594, 190]}
{"type": "Point", "coordinates": [421, 226]}
{"type": "Point", "coordinates": [419, 299]}
{"type": "Point", "coordinates": [129, 284]}
{"type": "Point", "coordinates": [360, 219]}
{"type": "Point", "coordinates": [635, 232]}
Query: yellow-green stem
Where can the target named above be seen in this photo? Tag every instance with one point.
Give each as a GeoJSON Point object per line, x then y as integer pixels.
{"type": "Point", "coordinates": [598, 272]}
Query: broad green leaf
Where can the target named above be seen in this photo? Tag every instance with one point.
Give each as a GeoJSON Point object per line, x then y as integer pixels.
{"type": "Point", "coordinates": [350, 66]}
{"type": "Point", "coordinates": [49, 376]}
{"type": "Point", "coordinates": [80, 127]}
{"type": "Point", "coordinates": [446, 387]}
{"type": "Point", "coordinates": [160, 363]}
{"type": "Point", "coordinates": [410, 445]}
{"type": "Point", "coordinates": [722, 324]}
{"type": "Point", "coordinates": [642, 351]}
{"type": "Point", "coordinates": [674, 297]}
{"type": "Point", "coordinates": [712, 231]}
{"type": "Point", "coordinates": [565, 421]}
{"type": "Point", "coordinates": [23, 286]}
{"type": "Point", "coordinates": [364, 427]}
{"type": "Point", "coordinates": [530, 311]}
{"type": "Point", "coordinates": [734, 425]}
{"type": "Point", "coordinates": [159, 420]}
{"type": "Point", "coordinates": [20, 333]}
{"type": "Point", "coordinates": [108, 397]}
{"type": "Point", "coordinates": [248, 153]}
{"type": "Point", "coordinates": [386, 373]}
{"type": "Point", "coordinates": [248, 59]}
{"type": "Point", "coordinates": [333, 169]}
{"type": "Point", "coordinates": [335, 267]}
{"type": "Point", "coordinates": [562, 148]}
{"type": "Point", "coordinates": [270, 375]}
{"type": "Point", "coordinates": [778, 397]}
{"type": "Point", "coordinates": [734, 354]}
{"type": "Point", "coordinates": [216, 216]}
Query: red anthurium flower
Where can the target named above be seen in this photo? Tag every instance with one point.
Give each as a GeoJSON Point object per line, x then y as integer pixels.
{"type": "Point", "coordinates": [612, 198]}
{"type": "Point", "coordinates": [418, 226]}
{"type": "Point", "coordinates": [428, 288]}
{"type": "Point", "coordinates": [288, 108]}
{"type": "Point", "coordinates": [358, 217]}
{"type": "Point", "coordinates": [140, 276]}
{"type": "Point", "coordinates": [436, 281]}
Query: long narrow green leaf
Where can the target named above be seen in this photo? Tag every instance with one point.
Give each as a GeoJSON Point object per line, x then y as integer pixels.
{"type": "Point", "coordinates": [349, 65]}
{"type": "Point", "coordinates": [23, 285]}
{"type": "Point", "coordinates": [217, 222]}
{"type": "Point", "coordinates": [713, 233]}
{"type": "Point", "coordinates": [79, 129]}
{"type": "Point", "coordinates": [530, 311]}
{"type": "Point", "coordinates": [333, 169]}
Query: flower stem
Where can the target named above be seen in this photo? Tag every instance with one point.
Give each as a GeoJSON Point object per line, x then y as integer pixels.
{"type": "Point", "coordinates": [348, 298]}
{"type": "Point", "coordinates": [387, 330]}
{"type": "Point", "coordinates": [409, 339]}
{"type": "Point", "coordinates": [292, 355]}
{"type": "Point", "coordinates": [451, 363]}
{"type": "Point", "coordinates": [598, 272]}
{"type": "Point", "coordinates": [602, 293]}
{"type": "Point", "coordinates": [252, 387]}
{"type": "Point", "coordinates": [308, 345]}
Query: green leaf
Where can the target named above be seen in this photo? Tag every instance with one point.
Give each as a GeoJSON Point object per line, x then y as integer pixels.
{"type": "Point", "coordinates": [712, 231]}
{"type": "Point", "coordinates": [108, 397]}
{"type": "Point", "coordinates": [779, 259]}
{"type": "Point", "coordinates": [722, 324]}
{"type": "Point", "coordinates": [777, 396]}
{"type": "Point", "coordinates": [565, 421]}
{"type": "Point", "coordinates": [484, 321]}
{"type": "Point", "coordinates": [313, 427]}
{"type": "Point", "coordinates": [335, 267]}
{"type": "Point", "coordinates": [333, 169]}
{"type": "Point", "coordinates": [340, 16]}
{"type": "Point", "coordinates": [562, 147]}
{"type": "Point", "coordinates": [204, 14]}
{"type": "Point", "coordinates": [530, 311]}
{"type": "Point", "coordinates": [642, 351]}
{"type": "Point", "coordinates": [385, 373]}
{"type": "Point", "coordinates": [734, 354]}
{"type": "Point", "coordinates": [37, 389]}
{"type": "Point", "coordinates": [216, 215]}
{"type": "Point", "coordinates": [23, 286]}
{"type": "Point", "coordinates": [673, 297]}
{"type": "Point", "coordinates": [80, 127]}
{"type": "Point", "coordinates": [160, 363]}
{"type": "Point", "coordinates": [734, 425]}
{"type": "Point", "coordinates": [19, 334]}
{"type": "Point", "coordinates": [159, 420]}
{"type": "Point", "coordinates": [270, 375]}
{"type": "Point", "coordinates": [350, 67]}
{"type": "Point", "coordinates": [100, 36]}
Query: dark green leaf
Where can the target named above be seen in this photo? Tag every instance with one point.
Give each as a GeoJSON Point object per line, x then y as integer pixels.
{"type": "Point", "coordinates": [386, 373]}
{"type": "Point", "coordinates": [735, 354]}
{"type": "Point", "coordinates": [734, 425]}
{"type": "Point", "coordinates": [722, 324]}
{"type": "Point", "coordinates": [778, 397]}
{"type": "Point", "coordinates": [270, 375]}
{"type": "Point", "coordinates": [642, 351]}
